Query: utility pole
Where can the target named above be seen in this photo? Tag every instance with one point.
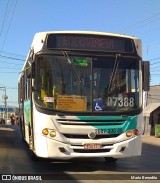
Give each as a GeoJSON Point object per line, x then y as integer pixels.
{"type": "Point", "coordinates": [5, 102]}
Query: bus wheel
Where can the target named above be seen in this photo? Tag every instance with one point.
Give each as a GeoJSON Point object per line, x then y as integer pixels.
{"type": "Point", "coordinates": [110, 159]}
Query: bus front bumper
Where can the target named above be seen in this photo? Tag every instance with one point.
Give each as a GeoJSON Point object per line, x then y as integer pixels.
{"type": "Point", "coordinates": [58, 150]}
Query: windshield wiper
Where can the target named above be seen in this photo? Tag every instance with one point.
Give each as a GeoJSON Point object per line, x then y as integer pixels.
{"type": "Point", "coordinates": [70, 63]}
{"type": "Point", "coordinates": [114, 71]}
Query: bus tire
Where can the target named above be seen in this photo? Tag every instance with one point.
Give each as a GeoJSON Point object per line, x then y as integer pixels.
{"type": "Point", "coordinates": [110, 159]}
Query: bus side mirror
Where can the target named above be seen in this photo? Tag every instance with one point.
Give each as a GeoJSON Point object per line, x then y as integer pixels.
{"type": "Point", "coordinates": [146, 75]}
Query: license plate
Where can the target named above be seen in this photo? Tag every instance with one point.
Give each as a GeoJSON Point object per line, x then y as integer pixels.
{"type": "Point", "coordinates": [92, 146]}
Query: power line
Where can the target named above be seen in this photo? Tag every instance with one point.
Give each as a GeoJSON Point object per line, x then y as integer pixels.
{"type": "Point", "coordinates": [15, 54]}
{"type": "Point", "coordinates": [155, 63]}
{"type": "Point", "coordinates": [9, 72]}
{"type": "Point", "coordinates": [14, 58]}
{"type": "Point", "coordinates": [142, 22]}
{"type": "Point", "coordinates": [157, 58]}
{"type": "Point", "coordinates": [156, 71]}
{"type": "Point", "coordinates": [152, 51]}
{"type": "Point", "coordinates": [5, 15]}
{"type": "Point", "coordinates": [9, 24]}
{"type": "Point", "coordinates": [153, 30]}
{"type": "Point", "coordinates": [154, 46]}
{"type": "Point", "coordinates": [9, 68]}
{"type": "Point", "coordinates": [10, 63]}
{"type": "Point", "coordinates": [155, 67]}
{"type": "Point", "coordinates": [151, 47]}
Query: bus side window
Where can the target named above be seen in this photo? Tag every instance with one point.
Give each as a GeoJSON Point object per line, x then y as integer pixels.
{"type": "Point", "coordinates": [43, 92]}
{"type": "Point", "coordinates": [45, 86]}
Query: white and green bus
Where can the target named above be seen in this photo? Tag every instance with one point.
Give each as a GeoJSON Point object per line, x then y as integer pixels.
{"type": "Point", "coordinates": [80, 95]}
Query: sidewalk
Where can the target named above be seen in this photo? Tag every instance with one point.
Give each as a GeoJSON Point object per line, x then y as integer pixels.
{"type": "Point", "coordinates": [151, 140]}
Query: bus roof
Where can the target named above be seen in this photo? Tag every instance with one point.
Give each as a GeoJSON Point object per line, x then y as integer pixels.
{"type": "Point", "coordinates": [39, 36]}
{"type": "Point", "coordinates": [86, 32]}
{"type": "Point", "coordinates": [43, 34]}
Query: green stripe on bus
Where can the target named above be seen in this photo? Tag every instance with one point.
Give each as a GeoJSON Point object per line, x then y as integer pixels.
{"type": "Point", "coordinates": [127, 123]}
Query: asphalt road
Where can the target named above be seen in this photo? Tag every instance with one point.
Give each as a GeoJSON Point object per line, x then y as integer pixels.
{"type": "Point", "coordinates": [15, 159]}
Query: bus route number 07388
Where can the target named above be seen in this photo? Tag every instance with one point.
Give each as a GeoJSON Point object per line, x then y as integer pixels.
{"type": "Point", "coordinates": [120, 101]}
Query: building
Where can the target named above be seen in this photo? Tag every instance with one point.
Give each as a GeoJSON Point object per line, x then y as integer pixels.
{"type": "Point", "coordinates": [151, 112]}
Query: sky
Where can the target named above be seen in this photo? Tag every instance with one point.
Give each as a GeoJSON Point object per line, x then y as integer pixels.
{"type": "Point", "coordinates": [21, 19]}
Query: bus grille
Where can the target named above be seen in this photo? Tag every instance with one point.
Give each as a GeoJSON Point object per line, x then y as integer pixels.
{"type": "Point", "coordinates": [91, 150]}
{"type": "Point", "coordinates": [90, 122]}
{"type": "Point", "coordinates": [75, 136]}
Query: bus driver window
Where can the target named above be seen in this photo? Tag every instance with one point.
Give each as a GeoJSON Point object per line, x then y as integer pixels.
{"type": "Point", "coordinates": [44, 87]}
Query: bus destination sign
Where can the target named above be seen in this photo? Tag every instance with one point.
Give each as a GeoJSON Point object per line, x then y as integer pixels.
{"type": "Point", "coordinates": [89, 43]}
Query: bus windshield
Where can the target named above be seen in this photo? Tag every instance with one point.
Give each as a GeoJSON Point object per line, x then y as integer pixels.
{"type": "Point", "coordinates": [88, 84]}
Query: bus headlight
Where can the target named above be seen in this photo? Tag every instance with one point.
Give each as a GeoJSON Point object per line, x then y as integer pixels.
{"type": "Point", "coordinates": [52, 133]}
{"type": "Point", "coordinates": [45, 131]}
{"type": "Point", "coordinates": [129, 133]}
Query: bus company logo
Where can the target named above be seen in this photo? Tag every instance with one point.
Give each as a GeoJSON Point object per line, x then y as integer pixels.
{"type": "Point", "coordinates": [92, 135]}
